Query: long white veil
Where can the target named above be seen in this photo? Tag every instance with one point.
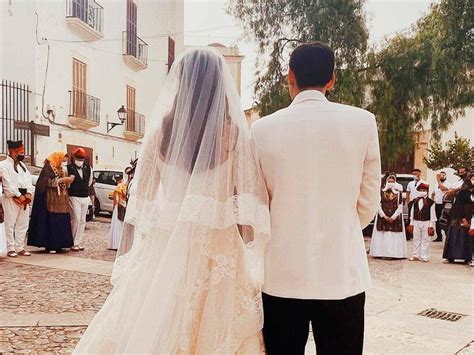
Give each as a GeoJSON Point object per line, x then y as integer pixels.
{"type": "Point", "coordinates": [200, 208]}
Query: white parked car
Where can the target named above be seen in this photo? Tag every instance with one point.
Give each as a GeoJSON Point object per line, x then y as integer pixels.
{"type": "Point", "coordinates": [105, 183]}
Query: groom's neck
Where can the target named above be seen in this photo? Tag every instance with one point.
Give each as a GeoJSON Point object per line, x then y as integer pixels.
{"type": "Point", "coordinates": [322, 90]}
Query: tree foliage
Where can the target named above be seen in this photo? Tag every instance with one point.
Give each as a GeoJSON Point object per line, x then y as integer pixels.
{"type": "Point", "coordinates": [416, 77]}
{"type": "Point", "coordinates": [423, 77]}
{"type": "Point", "coordinates": [455, 154]}
{"type": "Point", "coordinates": [279, 26]}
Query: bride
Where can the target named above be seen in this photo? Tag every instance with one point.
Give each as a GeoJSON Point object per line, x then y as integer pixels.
{"type": "Point", "coordinates": [191, 281]}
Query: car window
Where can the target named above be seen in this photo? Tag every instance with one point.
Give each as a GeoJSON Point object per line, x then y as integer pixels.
{"type": "Point", "coordinates": [107, 177]}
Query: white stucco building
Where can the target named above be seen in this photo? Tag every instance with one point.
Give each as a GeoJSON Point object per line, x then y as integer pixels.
{"type": "Point", "coordinates": [82, 60]}
{"type": "Point", "coordinates": [463, 127]}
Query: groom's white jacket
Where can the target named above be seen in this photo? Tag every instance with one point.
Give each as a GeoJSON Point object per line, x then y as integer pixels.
{"type": "Point", "coordinates": [321, 162]}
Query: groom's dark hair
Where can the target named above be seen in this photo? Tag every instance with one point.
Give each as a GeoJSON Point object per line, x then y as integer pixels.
{"type": "Point", "coordinates": [312, 64]}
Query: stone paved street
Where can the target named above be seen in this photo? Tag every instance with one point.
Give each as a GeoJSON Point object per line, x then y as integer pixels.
{"type": "Point", "coordinates": [46, 301]}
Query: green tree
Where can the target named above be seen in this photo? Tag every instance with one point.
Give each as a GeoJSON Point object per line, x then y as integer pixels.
{"type": "Point", "coordinates": [280, 25]}
{"type": "Point", "coordinates": [419, 76]}
{"type": "Point", "coordinates": [455, 154]}
{"type": "Point", "coordinates": [423, 76]}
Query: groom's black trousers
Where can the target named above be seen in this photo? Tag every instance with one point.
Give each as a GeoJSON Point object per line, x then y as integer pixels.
{"type": "Point", "coordinates": [338, 325]}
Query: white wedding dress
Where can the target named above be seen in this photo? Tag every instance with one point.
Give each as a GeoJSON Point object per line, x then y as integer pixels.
{"type": "Point", "coordinates": [191, 283]}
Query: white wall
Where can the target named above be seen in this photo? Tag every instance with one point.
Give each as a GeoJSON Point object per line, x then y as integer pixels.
{"type": "Point", "coordinates": [108, 74]}
{"type": "Point", "coordinates": [464, 127]}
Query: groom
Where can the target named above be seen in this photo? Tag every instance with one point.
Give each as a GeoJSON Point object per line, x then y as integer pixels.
{"type": "Point", "coordinates": [321, 163]}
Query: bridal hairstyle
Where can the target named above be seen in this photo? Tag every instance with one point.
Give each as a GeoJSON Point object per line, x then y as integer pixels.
{"type": "Point", "coordinates": [199, 199]}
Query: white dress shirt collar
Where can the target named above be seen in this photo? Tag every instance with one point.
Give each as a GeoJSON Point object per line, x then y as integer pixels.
{"type": "Point", "coordinates": [307, 95]}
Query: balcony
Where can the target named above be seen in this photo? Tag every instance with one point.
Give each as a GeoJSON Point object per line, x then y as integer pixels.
{"type": "Point", "coordinates": [134, 126]}
{"type": "Point", "coordinates": [85, 18]}
{"type": "Point", "coordinates": [135, 51]}
{"type": "Point", "coordinates": [84, 110]}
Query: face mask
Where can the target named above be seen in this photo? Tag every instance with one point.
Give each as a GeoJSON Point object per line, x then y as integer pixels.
{"type": "Point", "coordinates": [79, 163]}
{"type": "Point", "coordinates": [20, 157]}
{"type": "Point", "coordinates": [389, 185]}
{"type": "Point", "coordinates": [423, 194]}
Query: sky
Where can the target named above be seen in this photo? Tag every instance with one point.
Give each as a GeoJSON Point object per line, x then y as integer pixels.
{"type": "Point", "coordinates": [206, 22]}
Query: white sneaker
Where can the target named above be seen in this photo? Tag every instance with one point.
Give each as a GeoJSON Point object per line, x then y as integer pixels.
{"type": "Point", "coordinates": [414, 258]}
{"type": "Point", "coordinates": [75, 248]}
{"type": "Point", "coordinates": [81, 247]}
{"type": "Point", "coordinates": [52, 251]}
{"type": "Point", "coordinates": [471, 264]}
{"type": "Point", "coordinates": [425, 260]}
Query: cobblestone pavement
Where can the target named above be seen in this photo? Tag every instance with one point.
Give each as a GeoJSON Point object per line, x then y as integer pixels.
{"type": "Point", "coordinates": [39, 339]}
{"type": "Point", "coordinates": [32, 289]}
{"type": "Point", "coordinates": [55, 305]}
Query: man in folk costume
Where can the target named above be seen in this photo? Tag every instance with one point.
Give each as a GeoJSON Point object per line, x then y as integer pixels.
{"type": "Point", "coordinates": [422, 222]}
{"type": "Point", "coordinates": [17, 193]}
{"type": "Point", "coordinates": [388, 237]}
{"type": "Point", "coordinates": [79, 195]}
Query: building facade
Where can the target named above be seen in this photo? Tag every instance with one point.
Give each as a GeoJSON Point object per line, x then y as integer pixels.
{"type": "Point", "coordinates": [84, 64]}
{"type": "Point", "coordinates": [463, 127]}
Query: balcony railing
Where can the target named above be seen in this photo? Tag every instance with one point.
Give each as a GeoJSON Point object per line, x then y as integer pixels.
{"type": "Point", "coordinates": [88, 11]}
{"type": "Point", "coordinates": [135, 50]}
{"type": "Point", "coordinates": [84, 110]}
{"type": "Point", "coordinates": [135, 125]}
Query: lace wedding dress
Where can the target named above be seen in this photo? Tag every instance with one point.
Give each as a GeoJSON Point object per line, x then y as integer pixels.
{"type": "Point", "coordinates": [191, 283]}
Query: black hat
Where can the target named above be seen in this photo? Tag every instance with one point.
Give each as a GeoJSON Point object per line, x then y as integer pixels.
{"type": "Point", "coordinates": [14, 145]}
{"type": "Point", "coordinates": [131, 169]}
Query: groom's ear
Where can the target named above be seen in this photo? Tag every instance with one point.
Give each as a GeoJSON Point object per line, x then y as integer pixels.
{"type": "Point", "coordinates": [330, 85]}
{"type": "Point", "coordinates": [292, 84]}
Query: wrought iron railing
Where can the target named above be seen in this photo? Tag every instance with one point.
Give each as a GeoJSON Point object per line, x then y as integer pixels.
{"type": "Point", "coordinates": [88, 11]}
{"type": "Point", "coordinates": [135, 46]}
{"type": "Point", "coordinates": [135, 122]}
{"type": "Point", "coordinates": [84, 106]}
{"type": "Point", "coordinates": [15, 105]}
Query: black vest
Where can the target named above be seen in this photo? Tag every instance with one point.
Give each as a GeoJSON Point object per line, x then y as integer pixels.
{"type": "Point", "coordinates": [80, 186]}
{"type": "Point", "coordinates": [425, 213]}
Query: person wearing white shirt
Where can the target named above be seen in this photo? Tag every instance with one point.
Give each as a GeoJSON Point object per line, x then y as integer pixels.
{"type": "Point", "coordinates": [17, 195]}
{"type": "Point", "coordinates": [412, 186]}
{"type": "Point", "coordinates": [422, 222]}
{"type": "Point", "coordinates": [462, 173]}
{"type": "Point", "coordinates": [321, 163]}
{"type": "Point", "coordinates": [440, 190]}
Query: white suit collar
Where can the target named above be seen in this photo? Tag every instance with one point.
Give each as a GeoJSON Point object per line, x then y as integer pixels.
{"type": "Point", "coordinates": [307, 95]}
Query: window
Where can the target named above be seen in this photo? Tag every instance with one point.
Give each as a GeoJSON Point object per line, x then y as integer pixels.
{"type": "Point", "coordinates": [131, 109]}
{"type": "Point", "coordinates": [171, 52]}
{"type": "Point", "coordinates": [79, 88]}
{"type": "Point", "coordinates": [107, 177]}
{"type": "Point", "coordinates": [131, 28]}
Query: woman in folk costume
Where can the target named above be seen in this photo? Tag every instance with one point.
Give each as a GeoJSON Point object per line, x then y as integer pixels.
{"type": "Point", "coordinates": [458, 245]}
{"type": "Point", "coordinates": [388, 237]}
{"type": "Point", "coordinates": [128, 234]}
{"type": "Point", "coordinates": [118, 215]}
{"type": "Point", "coordinates": [50, 222]}
{"type": "Point", "coordinates": [192, 280]}
{"type": "Point", "coordinates": [3, 237]}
